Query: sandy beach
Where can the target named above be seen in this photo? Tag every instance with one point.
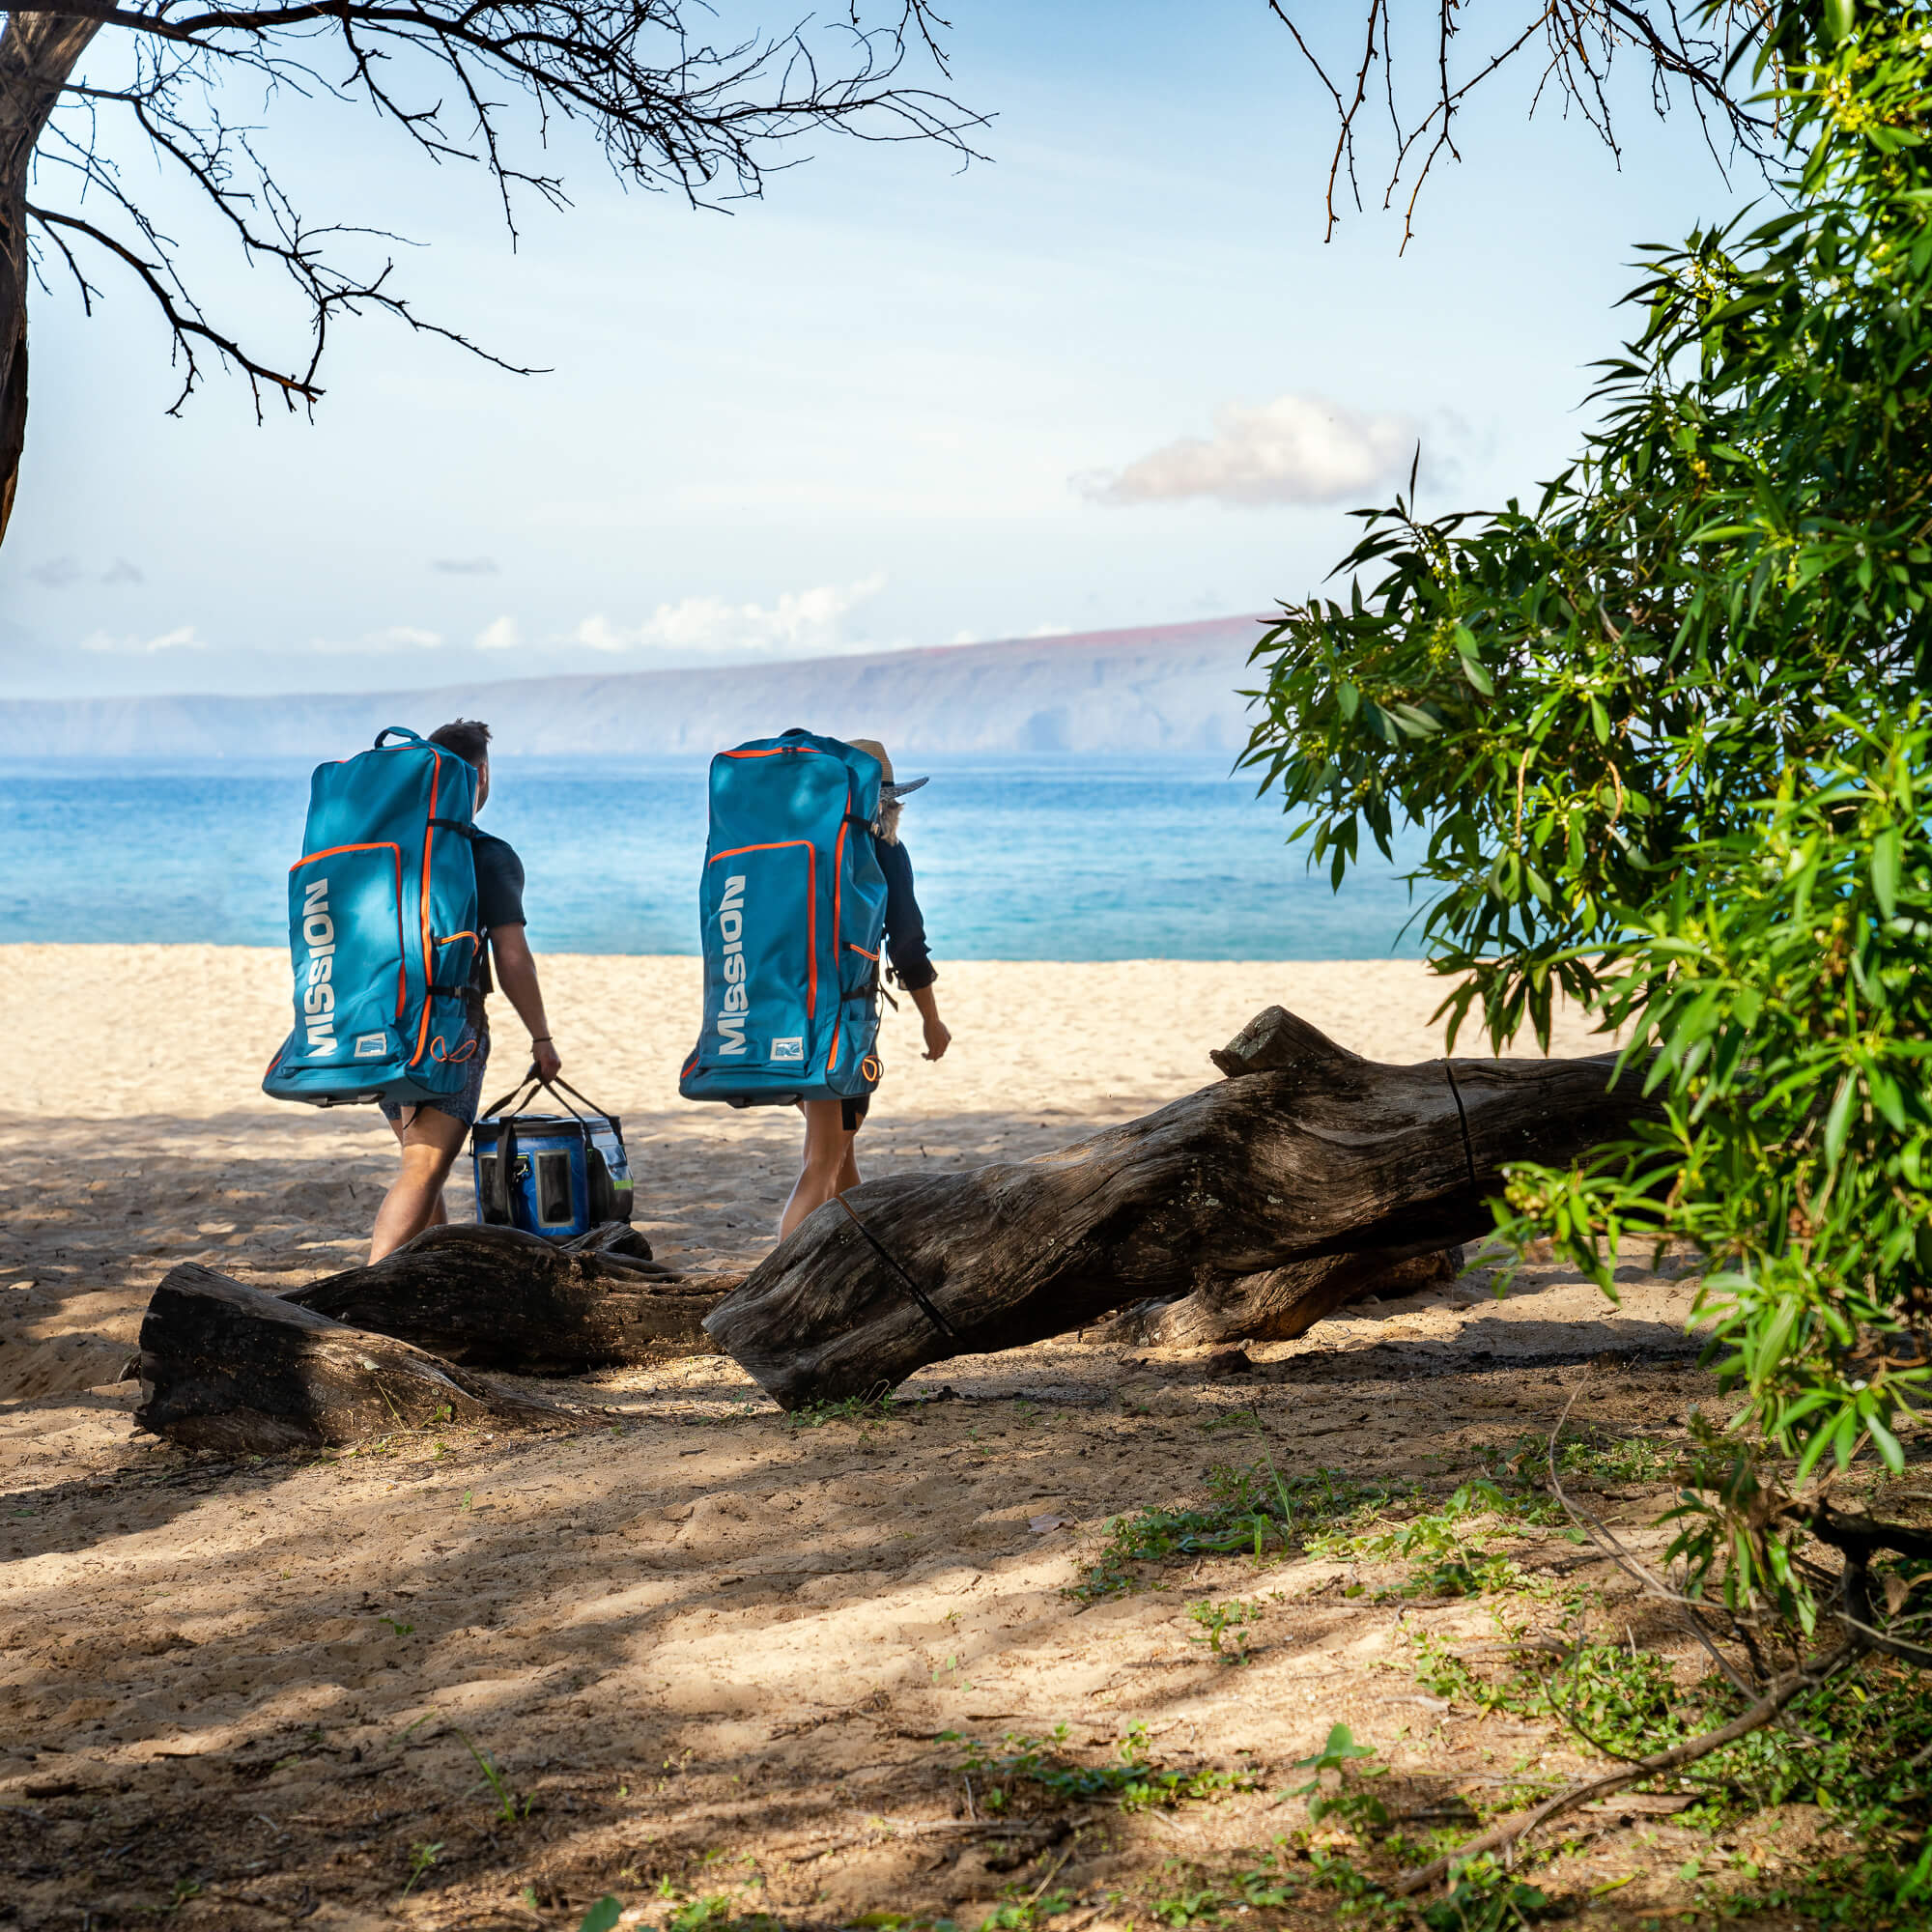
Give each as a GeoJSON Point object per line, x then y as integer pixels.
{"type": "Point", "coordinates": [717, 1651]}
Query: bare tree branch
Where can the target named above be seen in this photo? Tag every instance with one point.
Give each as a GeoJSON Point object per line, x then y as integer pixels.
{"type": "Point", "coordinates": [462, 80]}
{"type": "Point", "coordinates": [1581, 41]}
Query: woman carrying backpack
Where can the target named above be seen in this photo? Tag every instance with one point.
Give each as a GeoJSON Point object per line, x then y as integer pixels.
{"type": "Point", "coordinates": [828, 1167]}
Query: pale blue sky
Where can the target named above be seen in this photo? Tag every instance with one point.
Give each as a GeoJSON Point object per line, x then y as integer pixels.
{"type": "Point", "coordinates": [880, 408]}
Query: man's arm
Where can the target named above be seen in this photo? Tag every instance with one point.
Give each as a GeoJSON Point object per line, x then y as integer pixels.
{"type": "Point", "coordinates": [516, 974]}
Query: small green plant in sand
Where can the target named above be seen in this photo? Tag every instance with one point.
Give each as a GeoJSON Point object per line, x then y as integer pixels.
{"type": "Point", "coordinates": [1483, 1897]}
{"type": "Point", "coordinates": [1519, 1467]}
{"type": "Point", "coordinates": [1361, 1812]}
{"type": "Point", "coordinates": [1028, 1914]}
{"type": "Point", "coordinates": [716, 1913]}
{"type": "Point", "coordinates": [1225, 1627]}
{"type": "Point", "coordinates": [1250, 1510]}
{"type": "Point", "coordinates": [860, 1409]}
{"type": "Point", "coordinates": [1038, 1765]}
{"type": "Point", "coordinates": [422, 1857]}
{"type": "Point", "coordinates": [512, 1807]}
{"type": "Point", "coordinates": [1189, 1908]}
{"type": "Point", "coordinates": [1445, 1546]}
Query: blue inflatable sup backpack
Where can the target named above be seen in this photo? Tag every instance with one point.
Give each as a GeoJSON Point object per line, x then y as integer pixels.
{"type": "Point", "coordinates": [554, 1175]}
{"type": "Point", "coordinates": [792, 910]}
{"type": "Point", "coordinates": [382, 929]}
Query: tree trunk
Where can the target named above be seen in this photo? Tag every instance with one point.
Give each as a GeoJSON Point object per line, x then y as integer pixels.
{"type": "Point", "coordinates": [231, 1368]}
{"type": "Point", "coordinates": [1284, 1302]}
{"type": "Point", "coordinates": [500, 1298]}
{"type": "Point", "coordinates": [37, 51]}
{"type": "Point", "coordinates": [1306, 1152]}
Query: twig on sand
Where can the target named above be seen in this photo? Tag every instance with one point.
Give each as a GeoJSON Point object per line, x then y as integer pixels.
{"type": "Point", "coordinates": [1858, 1539]}
{"type": "Point", "coordinates": [1497, 1838]}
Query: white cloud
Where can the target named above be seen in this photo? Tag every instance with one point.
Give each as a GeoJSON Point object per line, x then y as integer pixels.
{"type": "Point", "coordinates": [397, 636]}
{"type": "Point", "coordinates": [708, 627]}
{"type": "Point", "coordinates": [180, 639]}
{"type": "Point", "coordinates": [501, 635]}
{"type": "Point", "coordinates": [1296, 449]}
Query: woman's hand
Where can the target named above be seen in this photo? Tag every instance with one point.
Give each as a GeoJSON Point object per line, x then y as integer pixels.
{"type": "Point", "coordinates": [938, 1036]}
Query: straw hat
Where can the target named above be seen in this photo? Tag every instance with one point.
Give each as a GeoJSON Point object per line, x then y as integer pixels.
{"type": "Point", "coordinates": [891, 790]}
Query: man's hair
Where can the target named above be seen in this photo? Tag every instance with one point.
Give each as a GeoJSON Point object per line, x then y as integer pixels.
{"type": "Point", "coordinates": [466, 737]}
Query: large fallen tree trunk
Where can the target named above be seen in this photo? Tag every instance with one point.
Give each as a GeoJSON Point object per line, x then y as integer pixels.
{"type": "Point", "coordinates": [500, 1298]}
{"type": "Point", "coordinates": [1305, 1151]}
{"type": "Point", "coordinates": [233, 1367]}
{"type": "Point", "coordinates": [1284, 1302]}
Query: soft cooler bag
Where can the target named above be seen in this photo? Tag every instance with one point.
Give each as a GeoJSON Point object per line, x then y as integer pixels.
{"type": "Point", "coordinates": [382, 929]}
{"type": "Point", "coordinates": [554, 1175]}
{"type": "Point", "coordinates": [792, 910]}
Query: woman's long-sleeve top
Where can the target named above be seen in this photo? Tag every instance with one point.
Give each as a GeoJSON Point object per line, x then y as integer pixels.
{"type": "Point", "coordinates": [905, 927]}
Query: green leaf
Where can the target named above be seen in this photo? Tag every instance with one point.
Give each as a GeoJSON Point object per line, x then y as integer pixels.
{"type": "Point", "coordinates": [1890, 1453]}
{"type": "Point", "coordinates": [1886, 852]}
{"type": "Point", "coordinates": [1838, 1123]}
{"type": "Point", "coordinates": [601, 1915]}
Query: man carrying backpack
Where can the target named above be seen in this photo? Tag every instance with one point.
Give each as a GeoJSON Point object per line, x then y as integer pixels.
{"type": "Point", "coordinates": [431, 1134]}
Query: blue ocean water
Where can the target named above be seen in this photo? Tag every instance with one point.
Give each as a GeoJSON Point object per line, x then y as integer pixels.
{"type": "Point", "coordinates": [1017, 859]}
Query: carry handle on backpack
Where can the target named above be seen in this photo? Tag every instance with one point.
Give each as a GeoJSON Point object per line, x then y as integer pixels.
{"type": "Point", "coordinates": [400, 732]}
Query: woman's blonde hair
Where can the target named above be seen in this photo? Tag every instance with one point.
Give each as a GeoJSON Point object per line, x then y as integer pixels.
{"type": "Point", "coordinates": [887, 821]}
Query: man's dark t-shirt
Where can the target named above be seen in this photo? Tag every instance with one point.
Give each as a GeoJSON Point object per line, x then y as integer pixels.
{"type": "Point", "coordinates": [499, 883]}
{"type": "Point", "coordinates": [500, 903]}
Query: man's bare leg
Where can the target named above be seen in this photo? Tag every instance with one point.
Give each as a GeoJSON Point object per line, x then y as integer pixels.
{"type": "Point", "coordinates": [429, 1142]}
{"type": "Point", "coordinates": [828, 1166]}
{"type": "Point", "coordinates": [439, 1215]}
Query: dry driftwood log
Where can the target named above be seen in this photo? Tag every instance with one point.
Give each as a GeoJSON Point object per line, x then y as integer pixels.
{"type": "Point", "coordinates": [1283, 1303]}
{"type": "Point", "coordinates": [1305, 1151]}
{"type": "Point", "coordinates": [233, 1367]}
{"type": "Point", "coordinates": [500, 1298]}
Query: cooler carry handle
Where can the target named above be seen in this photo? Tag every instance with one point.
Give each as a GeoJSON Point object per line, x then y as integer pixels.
{"type": "Point", "coordinates": [525, 1091]}
{"type": "Point", "coordinates": [401, 731]}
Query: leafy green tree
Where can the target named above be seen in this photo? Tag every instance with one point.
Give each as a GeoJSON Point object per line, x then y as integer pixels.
{"type": "Point", "coordinates": [1665, 728]}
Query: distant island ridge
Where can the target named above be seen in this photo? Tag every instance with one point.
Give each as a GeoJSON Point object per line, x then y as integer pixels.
{"type": "Point", "coordinates": [1157, 687]}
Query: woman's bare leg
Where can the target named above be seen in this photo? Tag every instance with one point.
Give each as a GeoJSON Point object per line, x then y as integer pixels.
{"type": "Point", "coordinates": [828, 1168]}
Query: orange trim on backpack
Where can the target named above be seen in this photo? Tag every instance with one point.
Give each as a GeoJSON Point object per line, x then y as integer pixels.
{"type": "Point", "coordinates": [862, 953]}
{"type": "Point", "coordinates": [781, 752]}
{"type": "Point", "coordinates": [422, 900]}
{"type": "Point", "coordinates": [810, 906]}
{"type": "Point", "coordinates": [837, 883]}
{"type": "Point", "coordinates": [455, 936]}
{"type": "Point", "coordinates": [381, 845]}
{"type": "Point", "coordinates": [330, 852]}
{"type": "Point", "coordinates": [870, 1068]}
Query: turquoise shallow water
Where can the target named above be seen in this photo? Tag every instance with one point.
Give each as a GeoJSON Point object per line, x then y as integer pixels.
{"type": "Point", "coordinates": [1044, 860]}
